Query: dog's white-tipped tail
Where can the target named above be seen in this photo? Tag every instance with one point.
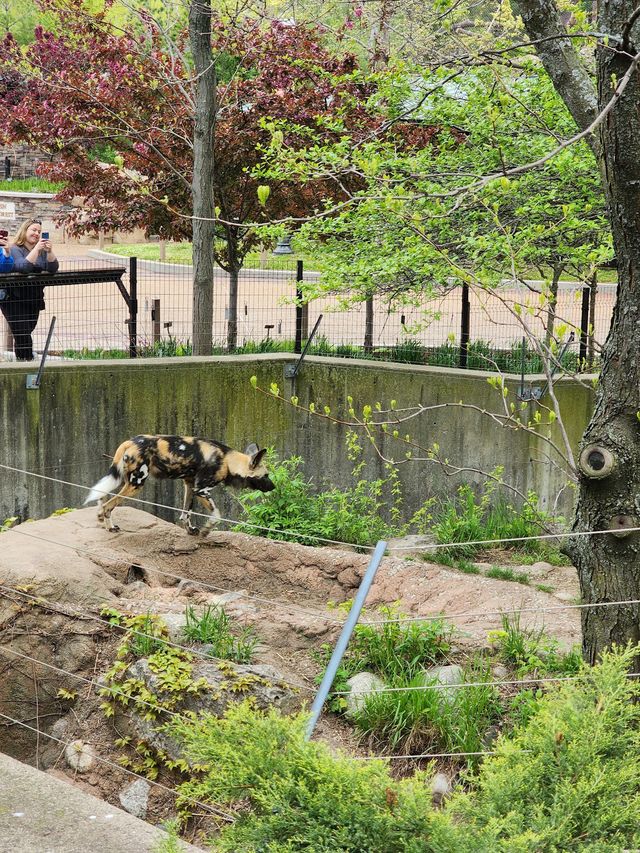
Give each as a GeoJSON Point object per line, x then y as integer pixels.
{"type": "Point", "coordinates": [103, 487]}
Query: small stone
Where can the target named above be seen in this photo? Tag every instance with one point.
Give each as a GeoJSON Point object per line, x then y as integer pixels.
{"type": "Point", "coordinates": [135, 798]}
{"type": "Point", "coordinates": [490, 737]}
{"type": "Point", "coordinates": [361, 686]}
{"type": "Point", "coordinates": [80, 756]}
{"type": "Point", "coordinates": [440, 788]}
{"type": "Point", "coordinates": [539, 568]}
{"type": "Point", "coordinates": [451, 674]}
{"type": "Point", "coordinates": [565, 596]}
{"type": "Point", "coordinates": [499, 671]}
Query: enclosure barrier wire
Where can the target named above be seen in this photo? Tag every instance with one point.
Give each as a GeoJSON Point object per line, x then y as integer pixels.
{"type": "Point", "coordinates": [383, 756]}
{"type": "Point", "coordinates": [86, 614]}
{"type": "Point", "coordinates": [112, 764]}
{"type": "Point", "coordinates": [539, 537]}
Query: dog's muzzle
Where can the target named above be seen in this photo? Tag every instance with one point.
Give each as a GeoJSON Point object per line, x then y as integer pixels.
{"type": "Point", "coordinates": [263, 484]}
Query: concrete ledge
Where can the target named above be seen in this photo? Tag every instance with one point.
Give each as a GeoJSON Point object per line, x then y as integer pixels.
{"type": "Point", "coordinates": [41, 814]}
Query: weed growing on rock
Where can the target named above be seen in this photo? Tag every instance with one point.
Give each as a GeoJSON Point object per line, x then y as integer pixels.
{"type": "Point", "coordinates": [213, 628]}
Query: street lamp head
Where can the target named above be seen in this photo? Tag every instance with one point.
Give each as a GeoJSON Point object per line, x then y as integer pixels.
{"type": "Point", "coordinates": [284, 246]}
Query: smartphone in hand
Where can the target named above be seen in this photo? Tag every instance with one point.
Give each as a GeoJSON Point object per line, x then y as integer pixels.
{"type": "Point", "coordinates": [44, 235]}
{"type": "Point", "coordinates": [4, 233]}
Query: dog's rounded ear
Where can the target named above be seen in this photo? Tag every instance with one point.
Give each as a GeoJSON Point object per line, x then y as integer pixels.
{"type": "Point", "coordinates": [251, 449]}
{"type": "Point", "coordinates": [256, 459]}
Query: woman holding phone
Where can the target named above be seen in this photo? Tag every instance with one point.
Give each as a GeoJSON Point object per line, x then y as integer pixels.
{"type": "Point", "coordinates": [32, 253]}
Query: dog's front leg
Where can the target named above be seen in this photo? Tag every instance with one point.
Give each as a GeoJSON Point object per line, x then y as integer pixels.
{"type": "Point", "coordinates": [205, 499]}
{"type": "Point", "coordinates": [185, 515]}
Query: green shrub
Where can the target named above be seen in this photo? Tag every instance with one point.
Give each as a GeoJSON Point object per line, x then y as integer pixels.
{"type": "Point", "coordinates": [569, 779]}
{"type": "Point", "coordinates": [293, 511]}
{"type": "Point", "coordinates": [292, 795]}
{"type": "Point", "coordinates": [213, 627]}
{"type": "Point", "coordinates": [504, 573]}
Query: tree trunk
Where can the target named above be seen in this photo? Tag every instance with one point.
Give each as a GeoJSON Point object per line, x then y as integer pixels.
{"type": "Point", "coordinates": [369, 314]}
{"type": "Point", "coordinates": [552, 305]}
{"type": "Point", "coordinates": [203, 174]}
{"type": "Point", "coordinates": [609, 462]}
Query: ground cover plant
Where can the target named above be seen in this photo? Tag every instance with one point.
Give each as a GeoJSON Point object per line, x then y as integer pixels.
{"type": "Point", "coordinates": [567, 777]}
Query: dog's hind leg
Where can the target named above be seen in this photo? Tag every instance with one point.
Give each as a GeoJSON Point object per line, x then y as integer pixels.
{"type": "Point", "coordinates": [127, 491]}
{"type": "Point", "coordinates": [185, 515]}
{"type": "Point", "coordinates": [203, 495]}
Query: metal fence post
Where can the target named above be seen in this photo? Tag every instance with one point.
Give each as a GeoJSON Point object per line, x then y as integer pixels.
{"type": "Point", "coordinates": [584, 325]}
{"type": "Point", "coordinates": [133, 307]}
{"type": "Point", "coordinates": [465, 324]}
{"type": "Point", "coordinates": [345, 636]}
{"type": "Point", "coordinates": [155, 317]}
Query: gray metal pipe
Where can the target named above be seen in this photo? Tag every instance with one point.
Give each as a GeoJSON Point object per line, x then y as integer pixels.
{"type": "Point", "coordinates": [345, 636]}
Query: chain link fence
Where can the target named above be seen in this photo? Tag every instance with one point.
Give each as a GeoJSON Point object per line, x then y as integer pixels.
{"type": "Point", "coordinates": [122, 308]}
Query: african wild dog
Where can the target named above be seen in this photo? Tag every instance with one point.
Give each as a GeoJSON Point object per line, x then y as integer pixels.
{"type": "Point", "coordinates": [199, 462]}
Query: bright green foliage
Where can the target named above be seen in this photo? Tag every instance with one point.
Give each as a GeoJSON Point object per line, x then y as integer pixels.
{"type": "Point", "coordinates": [477, 518]}
{"type": "Point", "coordinates": [213, 627]}
{"type": "Point", "coordinates": [568, 780]}
{"type": "Point", "coordinates": [396, 648]}
{"type": "Point", "coordinates": [302, 798]}
{"type": "Point", "coordinates": [417, 720]}
{"type": "Point", "coordinates": [529, 650]}
{"type": "Point", "coordinates": [294, 511]}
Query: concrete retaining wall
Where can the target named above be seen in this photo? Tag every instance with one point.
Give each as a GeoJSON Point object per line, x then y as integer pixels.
{"type": "Point", "coordinates": [71, 426]}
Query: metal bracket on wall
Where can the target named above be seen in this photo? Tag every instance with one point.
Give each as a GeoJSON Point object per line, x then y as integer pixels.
{"type": "Point", "coordinates": [33, 379]}
{"type": "Point", "coordinates": [291, 370]}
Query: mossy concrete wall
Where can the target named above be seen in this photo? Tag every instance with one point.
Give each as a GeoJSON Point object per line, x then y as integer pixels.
{"type": "Point", "coordinates": [69, 428]}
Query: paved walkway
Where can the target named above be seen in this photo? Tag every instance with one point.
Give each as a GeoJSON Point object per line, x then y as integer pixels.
{"type": "Point", "coordinates": [41, 814]}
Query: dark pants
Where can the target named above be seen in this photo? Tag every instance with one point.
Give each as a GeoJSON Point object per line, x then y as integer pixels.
{"type": "Point", "coordinates": [22, 318]}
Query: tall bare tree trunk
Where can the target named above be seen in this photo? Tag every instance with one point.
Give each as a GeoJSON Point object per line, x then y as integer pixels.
{"type": "Point", "coordinates": [609, 462]}
{"type": "Point", "coordinates": [203, 174]}
{"type": "Point", "coordinates": [552, 305]}
{"type": "Point", "coordinates": [593, 292]}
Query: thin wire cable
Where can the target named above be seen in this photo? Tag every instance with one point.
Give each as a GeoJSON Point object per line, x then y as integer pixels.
{"type": "Point", "coordinates": [93, 684]}
{"type": "Point", "coordinates": [536, 538]}
{"type": "Point", "coordinates": [422, 755]}
{"type": "Point", "coordinates": [399, 619]}
{"type": "Point", "coordinates": [193, 513]}
{"type": "Point", "coordinates": [113, 764]}
{"type": "Point", "coordinates": [40, 602]}
{"type": "Point", "coordinates": [484, 613]}
{"type": "Point", "coordinates": [435, 686]}
{"type": "Point", "coordinates": [269, 601]}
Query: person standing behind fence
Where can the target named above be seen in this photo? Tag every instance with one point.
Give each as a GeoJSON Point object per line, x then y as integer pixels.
{"type": "Point", "coordinates": [6, 261]}
{"type": "Point", "coordinates": [31, 254]}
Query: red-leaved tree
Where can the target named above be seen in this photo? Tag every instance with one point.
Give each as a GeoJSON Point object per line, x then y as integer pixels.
{"type": "Point", "coordinates": [91, 94]}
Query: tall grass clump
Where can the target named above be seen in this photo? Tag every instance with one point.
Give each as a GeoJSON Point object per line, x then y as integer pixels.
{"type": "Point", "coordinates": [472, 518]}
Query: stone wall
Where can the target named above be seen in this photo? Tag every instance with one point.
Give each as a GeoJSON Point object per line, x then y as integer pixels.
{"type": "Point", "coordinates": [69, 429]}
{"type": "Point", "coordinates": [24, 160]}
